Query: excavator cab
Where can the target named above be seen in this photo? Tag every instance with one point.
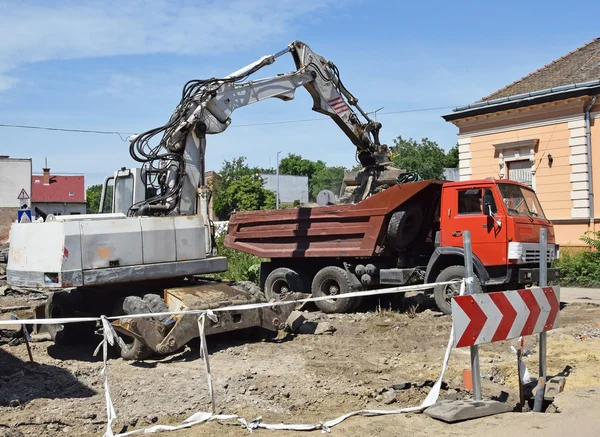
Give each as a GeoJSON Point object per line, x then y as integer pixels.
{"type": "Point", "coordinates": [122, 189]}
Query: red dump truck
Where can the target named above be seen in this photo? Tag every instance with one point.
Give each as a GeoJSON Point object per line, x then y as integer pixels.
{"type": "Point", "coordinates": [410, 233]}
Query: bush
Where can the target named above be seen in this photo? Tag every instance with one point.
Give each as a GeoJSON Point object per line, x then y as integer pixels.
{"type": "Point", "coordinates": [581, 268]}
{"type": "Point", "coordinates": [242, 266]}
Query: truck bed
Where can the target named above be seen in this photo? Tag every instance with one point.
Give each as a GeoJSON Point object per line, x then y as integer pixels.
{"type": "Point", "coordinates": [354, 230]}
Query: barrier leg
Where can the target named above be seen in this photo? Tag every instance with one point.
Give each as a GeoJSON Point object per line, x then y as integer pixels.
{"type": "Point", "coordinates": [475, 371]}
{"type": "Point", "coordinates": [543, 282]}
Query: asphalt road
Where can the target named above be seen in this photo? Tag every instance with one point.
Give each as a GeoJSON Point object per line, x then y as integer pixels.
{"type": "Point", "coordinates": [580, 295]}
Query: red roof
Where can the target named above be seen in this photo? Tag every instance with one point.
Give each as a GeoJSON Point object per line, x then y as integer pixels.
{"type": "Point", "coordinates": [70, 189]}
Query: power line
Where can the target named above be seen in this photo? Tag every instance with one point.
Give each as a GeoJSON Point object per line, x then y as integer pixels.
{"type": "Point", "coordinates": [21, 126]}
{"type": "Point", "coordinates": [267, 123]}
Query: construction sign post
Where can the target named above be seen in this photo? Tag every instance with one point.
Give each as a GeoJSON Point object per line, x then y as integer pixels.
{"type": "Point", "coordinates": [479, 318]}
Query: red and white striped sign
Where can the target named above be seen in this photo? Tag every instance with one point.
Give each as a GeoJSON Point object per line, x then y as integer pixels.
{"type": "Point", "coordinates": [338, 105]}
{"type": "Point", "coordinates": [487, 317]}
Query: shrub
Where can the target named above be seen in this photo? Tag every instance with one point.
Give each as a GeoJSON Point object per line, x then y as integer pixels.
{"type": "Point", "coordinates": [242, 266]}
{"type": "Point", "coordinates": [581, 268]}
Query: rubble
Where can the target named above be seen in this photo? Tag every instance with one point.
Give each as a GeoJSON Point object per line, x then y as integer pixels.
{"type": "Point", "coordinates": [294, 321]}
{"type": "Point", "coordinates": [305, 377]}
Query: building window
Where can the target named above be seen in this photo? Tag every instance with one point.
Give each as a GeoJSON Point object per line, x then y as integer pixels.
{"type": "Point", "coordinates": [516, 160]}
{"type": "Point", "coordinates": [71, 194]}
{"type": "Point", "coordinates": [520, 171]}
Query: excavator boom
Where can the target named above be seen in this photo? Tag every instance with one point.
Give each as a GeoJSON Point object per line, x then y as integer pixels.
{"type": "Point", "coordinates": [206, 107]}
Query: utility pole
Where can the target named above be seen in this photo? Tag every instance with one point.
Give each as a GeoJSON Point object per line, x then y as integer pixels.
{"type": "Point", "coordinates": [277, 190]}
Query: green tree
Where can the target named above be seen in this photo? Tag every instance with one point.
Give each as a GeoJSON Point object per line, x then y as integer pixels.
{"type": "Point", "coordinates": [248, 194]}
{"type": "Point", "coordinates": [327, 178]}
{"type": "Point", "coordinates": [452, 157]}
{"type": "Point", "coordinates": [92, 198]}
{"type": "Point", "coordinates": [298, 166]}
{"type": "Point", "coordinates": [425, 157]}
{"type": "Point", "coordinates": [239, 187]}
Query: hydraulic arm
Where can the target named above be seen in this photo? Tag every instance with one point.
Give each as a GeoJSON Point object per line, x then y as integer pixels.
{"type": "Point", "coordinates": [176, 165]}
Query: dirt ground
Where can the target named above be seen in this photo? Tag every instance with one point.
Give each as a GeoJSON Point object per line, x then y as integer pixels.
{"type": "Point", "coordinates": [299, 379]}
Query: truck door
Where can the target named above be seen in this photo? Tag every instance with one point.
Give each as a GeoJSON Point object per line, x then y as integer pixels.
{"type": "Point", "coordinates": [466, 212]}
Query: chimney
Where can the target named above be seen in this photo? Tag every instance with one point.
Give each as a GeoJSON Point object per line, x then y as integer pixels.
{"type": "Point", "coordinates": [46, 175]}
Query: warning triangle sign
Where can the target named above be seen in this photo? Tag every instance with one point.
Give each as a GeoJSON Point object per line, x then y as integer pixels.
{"type": "Point", "coordinates": [23, 195]}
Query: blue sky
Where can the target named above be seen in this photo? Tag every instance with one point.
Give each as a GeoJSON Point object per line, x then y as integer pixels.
{"type": "Point", "coordinates": [120, 66]}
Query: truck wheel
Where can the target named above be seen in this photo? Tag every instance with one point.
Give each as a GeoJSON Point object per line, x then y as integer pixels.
{"type": "Point", "coordinates": [332, 281]}
{"type": "Point", "coordinates": [443, 293]}
{"type": "Point", "coordinates": [403, 226]}
{"type": "Point", "coordinates": [134, 349]}
{"type": "Point", "coordinates": [282, 281]}
{"type": "Point", "coordinates": [63, 304]}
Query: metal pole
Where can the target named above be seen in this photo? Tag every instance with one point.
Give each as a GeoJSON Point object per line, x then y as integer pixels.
{"type": "Point", "coordinates": [542, 282]}
{"type": "Point", "coordinates": [470, 289]}
{"type": "Point", "coordinates": [277, 191]}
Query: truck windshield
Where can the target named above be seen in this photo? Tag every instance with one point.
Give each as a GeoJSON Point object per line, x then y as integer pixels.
{"type": "Point", "coordinates": [520, 201]}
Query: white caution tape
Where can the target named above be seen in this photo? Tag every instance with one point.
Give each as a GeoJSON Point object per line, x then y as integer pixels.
{"type": "Point", "coordinates": [110, 337]}
{"type": "Point", "coordinates": [204, 355]}
{"type": "Point", "coordinates": [242, 307]}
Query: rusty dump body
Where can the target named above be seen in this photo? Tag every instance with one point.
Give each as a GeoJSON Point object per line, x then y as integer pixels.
{"type": "Point", "coordinates": [356, 230]}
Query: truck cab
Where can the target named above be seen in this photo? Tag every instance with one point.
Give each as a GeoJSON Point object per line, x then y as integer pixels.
{"type": "Point", "coordinates": [504, 218]}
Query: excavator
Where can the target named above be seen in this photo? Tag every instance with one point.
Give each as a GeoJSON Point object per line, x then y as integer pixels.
{"type": "Point", "coordinates": [155, 251]}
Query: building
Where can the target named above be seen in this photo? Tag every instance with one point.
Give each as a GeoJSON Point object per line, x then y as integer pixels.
{"type": "Point", "coordinates": [291, 188]}
{"type": "Point", "coordinates": [15, 179]}
{"type": "Point", "coordinates": [542, 130]}
{"type": "Point", "coordinates": [58, 195]}
{"type": "Point", "coordinates": [451, 174]}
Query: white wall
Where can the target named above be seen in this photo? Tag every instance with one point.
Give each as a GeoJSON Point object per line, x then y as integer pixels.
{"type": "Point", "coordinates": [15, 175]}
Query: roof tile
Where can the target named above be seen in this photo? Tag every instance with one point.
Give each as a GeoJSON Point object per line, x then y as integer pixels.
{"type": "Point", "coordinates": [580, 65]}
{"type": "Point", "coordinates": [67, 189]}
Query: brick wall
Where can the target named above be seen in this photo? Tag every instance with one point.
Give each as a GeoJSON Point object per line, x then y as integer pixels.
{"type": "Point", "coordinates": [7, 216]}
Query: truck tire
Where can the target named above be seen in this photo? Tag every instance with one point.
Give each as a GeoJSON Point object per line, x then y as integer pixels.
{"type": "Point", "coordinates": [282, 281]}
{"type": "Point", "coordinates": [63, 304]}
{"type": "Point", "coordinates": [134, 349]}
{"type": "Point", "coordinates": [443, 293]}
{"type": "Point", "coordinates": [330, 281]}
{"type": "Point", "coordinates": [403, 226]}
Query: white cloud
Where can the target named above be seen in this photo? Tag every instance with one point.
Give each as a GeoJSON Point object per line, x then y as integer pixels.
{"type": "Point", "coordinates": [34, 31]}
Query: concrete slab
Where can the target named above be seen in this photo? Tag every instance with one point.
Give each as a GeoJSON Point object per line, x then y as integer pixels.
{"type": "Point", "coordinates": [295, 320]}
{"type": "Point", "coordinates": [456, 411]}
{"type": "Point", "coordinates": [554, 386]}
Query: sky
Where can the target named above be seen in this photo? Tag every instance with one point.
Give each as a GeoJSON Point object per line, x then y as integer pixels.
{"type": "Point", "coordinates": [120, 66]}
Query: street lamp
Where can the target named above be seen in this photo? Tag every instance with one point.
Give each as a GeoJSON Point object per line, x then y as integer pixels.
{"type": "Point", "coordinates": [277, 191]}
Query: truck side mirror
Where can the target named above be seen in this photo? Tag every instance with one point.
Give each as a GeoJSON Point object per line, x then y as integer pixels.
{"type": "Point", "coordinates": [489, 207]}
